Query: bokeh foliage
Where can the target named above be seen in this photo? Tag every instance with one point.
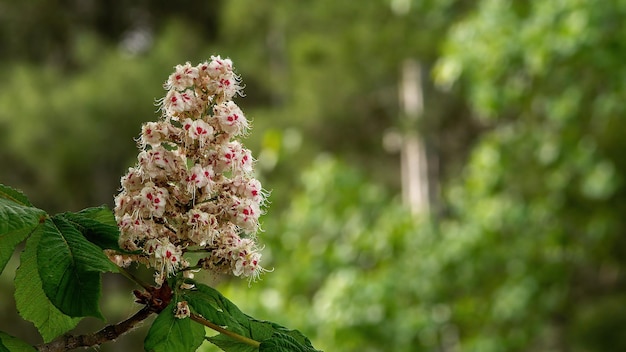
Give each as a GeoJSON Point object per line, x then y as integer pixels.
{"type": "Point", "coordinates": [526, 250]}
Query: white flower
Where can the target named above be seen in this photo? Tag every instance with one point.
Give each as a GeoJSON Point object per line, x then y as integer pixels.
{"type": "Point", "coordinates": [219, 67]}
{"type": "Point", "coordinates": [199, 177]}
{"type": "Point", "coordinates": [132, 180]}
{"type": "Point", "coordinates": [159, 163]}
{"type": "Point", "coordinates": [154, 133]}
{"type": "Point", "coordinates": [253, 190]}
{"type": "Point", "coordinates": [153, 200]}
{"type": "Point", "coordinates": [182, 78]}
{"type": "Point", "coordinates": [182, 310]}
{"type": "Point", "coordinates": [176, 102]}
{"type": "Point", "coordinates": [230, 118]}
{"type": "Point", "coordinates": [191, 187]}
{"type": "Point", "coordinates": [245, 213]}
{"type": "Point", "coordinates": [198, 130]}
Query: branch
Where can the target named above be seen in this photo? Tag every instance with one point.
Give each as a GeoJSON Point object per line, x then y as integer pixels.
{"type": "Point", "coordinates": [108, 333]}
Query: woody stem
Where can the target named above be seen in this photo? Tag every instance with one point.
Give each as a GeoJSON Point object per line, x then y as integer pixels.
{"type": "Point", "coordinates": [108, 333]}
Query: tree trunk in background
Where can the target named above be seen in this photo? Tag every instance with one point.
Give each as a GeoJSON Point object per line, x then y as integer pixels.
{"type": "Point", "coordinates": [415, 183]}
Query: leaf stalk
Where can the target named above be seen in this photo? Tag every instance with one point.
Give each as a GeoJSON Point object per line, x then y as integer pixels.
{"type": "Point", "coordinates": [248, 341]}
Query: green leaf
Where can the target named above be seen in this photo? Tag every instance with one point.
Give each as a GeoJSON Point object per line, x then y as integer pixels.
{"type": "Point", "coordinates": [70, 267]}
{"type": "Point", "coordinates": [213, 306]}
{"type": "Point", "coordinates": [32, 302]}
{"type": "Point", "coordinates": [18, 218]}
{"type": "Point", "coordinates": [9, 343]}
{"type": "Point", "coordinates": [97, 225]}
{"type": "Point", "coordinates": [275, 331]}
{"type": "Point", "coordinates": [229, 344]}
{"type": "Point", "coordinates": [169, 333]}
{"type": "Point", "coordinates": [14, 196]}
{"type": "Point", "coordinates": [283, 343]}
{"type": "Point", "coordinates": [203, 301]}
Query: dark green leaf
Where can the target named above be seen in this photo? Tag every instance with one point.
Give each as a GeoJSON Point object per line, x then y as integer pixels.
{"type": "Point", "coordinates": [14, 196]}
{"type": "Point", "coordinates": [213, 306]}
{"type": "Point", "coordinates": [231, 345]}
{"type": "Point", "coordinates": [70, 267]}
{"type": "Point", "coordinates": [32, 302]}
{"type": "Point", "coordinates": [264, 328]}
{"type": "Point", "coordinates": [205, 302]}
{"type": "Point", "coordinates": [169, 333]}
{"type": "Point", "coordinates": [18, 218]}
{"type": "Point", "coordinates": [9, 343]}
{"type": "Point", "coordinates": [284, 343]}
{"type": "Point", "coordinates": [97, 225]}
{"type": "Point", "coordinates": [102, 214]}
{"type": "Point", "coordinates": [218, 309]}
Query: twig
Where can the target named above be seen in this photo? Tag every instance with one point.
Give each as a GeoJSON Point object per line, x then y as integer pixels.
{"type": "Point", "coordinates": [198, 250]}
{"type": "Point", "coordinates": [134, 278]}
{"type": "Point", "coordinates": [108, 333]}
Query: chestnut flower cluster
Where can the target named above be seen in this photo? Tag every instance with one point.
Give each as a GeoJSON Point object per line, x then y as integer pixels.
{"type": "Point", "coordinates": [192, 189]}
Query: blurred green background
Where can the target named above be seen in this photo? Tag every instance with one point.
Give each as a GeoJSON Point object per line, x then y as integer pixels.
{"type": "Point", "coordinates": [524, 248]}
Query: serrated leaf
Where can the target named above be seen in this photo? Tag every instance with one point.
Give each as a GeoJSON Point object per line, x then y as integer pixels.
{"type": "Point", "coordinates": [14, 196]}
{"type": "Point", "coordinates": [205, 304]}
{"type": "Point", "coordinates": [97, 225]}
{"type": "Point", "coordinates": [209, 303]}
{"type": "Point", "coordinates": [279, 342]}
{"type": "Point", "coordinates": [9, 343]}
{"type": "Point", "coordinates": [70, 267]}
{"type": "Point", "coordinates": [102, 214]}
{"type": "Point", "coordinates": [18, 218]}
{"type": "Point", "coordinates": [262, 329]}
{"type": "Point", "coordinates": [169, 333]}
{"type": "Point", "coordinates": [229, 344]}
{"type": "Point", "coordinates": [8, 242]}
{"type": "Point", "coordinates": [213, 306]}
{"type": "Point", "coordinates": [32, 302]}
{"type": "Point", "coordinates": [218, 309]}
